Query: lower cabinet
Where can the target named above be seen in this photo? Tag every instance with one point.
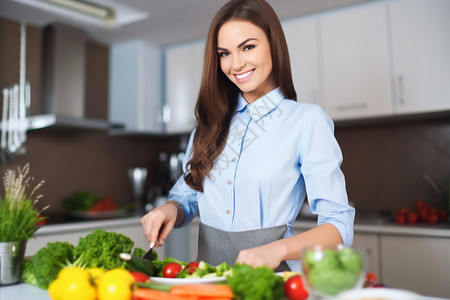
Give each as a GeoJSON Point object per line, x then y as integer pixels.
{"type": "Point", "coordinates": [370, 243]}
{"type": "Point", "coordinates": [419, 264]}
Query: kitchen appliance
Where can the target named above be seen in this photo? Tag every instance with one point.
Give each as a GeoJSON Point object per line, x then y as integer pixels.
{"type": "Point", "coordinates": [138, 176]}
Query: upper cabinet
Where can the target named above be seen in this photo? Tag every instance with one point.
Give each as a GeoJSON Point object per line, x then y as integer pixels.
{"type": "Point", "coordinates": [421, 54]}
{"type": "Point", "coordinates": [183, 74]}
{"type": "Point", "coordinates": [135, 86]}
{"type": "Point", "coordinates": [356, 69]}
{"type": "Point", "coordinates": [302, 39]}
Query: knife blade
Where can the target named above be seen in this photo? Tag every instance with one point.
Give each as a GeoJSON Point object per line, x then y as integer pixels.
{"type": "Point", "coordinates": [149, 255]}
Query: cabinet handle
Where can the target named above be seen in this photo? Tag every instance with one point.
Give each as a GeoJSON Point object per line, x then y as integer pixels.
{"type": "Point", "coordinates": [351, 106]}
{"type": "Point", "coordinates": [400, 95]}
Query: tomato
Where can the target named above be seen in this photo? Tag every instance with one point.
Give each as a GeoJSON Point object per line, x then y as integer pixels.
{"type": "Point", "coordinates": [403, 210]}
{"type": "Point", "coordinates": [433, 218]}
{"type": "Point", "coordinates": [420, 204]}
{"type": "Point", "coordinates": [400, 218]}
{"type": "Point", "coordinates": [192, 266]}
{"type": "Point", "coordinates": [115, 284]}
{"type": "Point", "coordinates": [371, 278]}
{"type": "Point", "coordinates": [423, 214]}
{"type": "Point", "coordinates": [443, 215]}
{"type": "Point", "coordinates": [411, 217]}
{"type": "Point", "coordinates": [139, 276]}
{"type": "Point", "coordinates": [171, 270]}
{"type": "Point", "coordinates": [294, 288]}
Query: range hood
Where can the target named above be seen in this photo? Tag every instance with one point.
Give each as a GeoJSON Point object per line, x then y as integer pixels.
{"type": "Point", "coordinates": [64, 82]}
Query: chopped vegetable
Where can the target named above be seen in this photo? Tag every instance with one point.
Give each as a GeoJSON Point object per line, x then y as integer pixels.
{"type": "Point", "coordinates": [251, 283]}
{"type": "Point", "coordinates": [206, 290]}
{"type": "Point", "coordinates": [138, 264]}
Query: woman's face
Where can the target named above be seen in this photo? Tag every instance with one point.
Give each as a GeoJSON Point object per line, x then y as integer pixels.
{"type": "Point", "coordinates": [244, 54]}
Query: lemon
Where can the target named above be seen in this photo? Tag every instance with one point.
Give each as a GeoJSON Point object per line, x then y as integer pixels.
{"type": "Point", "coordinates": [72, 284]}
{"type": "Point", "coordinates": [115, 284]}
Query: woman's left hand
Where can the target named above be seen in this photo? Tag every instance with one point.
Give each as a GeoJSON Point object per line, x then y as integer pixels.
{"type": "Point", "coordinates": [266, 255]}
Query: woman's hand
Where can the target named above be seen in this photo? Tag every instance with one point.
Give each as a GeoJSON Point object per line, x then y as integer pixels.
{"type": "Point", "coordinates": [159, 222]}
{"type": "Point", "coordinates": [269, 255]}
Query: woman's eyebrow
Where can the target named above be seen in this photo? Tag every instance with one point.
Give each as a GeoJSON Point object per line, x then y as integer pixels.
{"type": "Point", "coordinates": [240, 45]}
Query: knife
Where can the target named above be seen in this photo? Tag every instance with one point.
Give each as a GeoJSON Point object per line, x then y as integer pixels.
{"type": "Point", "coordinates": [149, 255]}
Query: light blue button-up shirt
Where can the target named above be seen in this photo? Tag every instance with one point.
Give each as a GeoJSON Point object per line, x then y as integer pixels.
{"type": "Point", "coordinates": [277, 151]}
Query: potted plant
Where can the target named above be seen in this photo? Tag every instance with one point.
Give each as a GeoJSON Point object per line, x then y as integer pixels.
{"type": "Point", "coordinates": [18, 222]}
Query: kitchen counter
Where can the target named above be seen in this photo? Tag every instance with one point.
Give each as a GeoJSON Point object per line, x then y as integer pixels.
{"type": "Point", "coordinates": [387, 227]}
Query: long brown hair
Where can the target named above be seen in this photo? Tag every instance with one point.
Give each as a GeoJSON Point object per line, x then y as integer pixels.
{"type": "Point", "coordinates": [218, 96]}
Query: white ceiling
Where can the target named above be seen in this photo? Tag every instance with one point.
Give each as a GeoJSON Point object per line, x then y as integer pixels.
{"type": "Point", "coordinates": [170, 22]}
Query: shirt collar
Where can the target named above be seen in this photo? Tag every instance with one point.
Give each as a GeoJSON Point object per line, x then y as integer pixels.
{"type": "Point", "coordinates": [261, 106]}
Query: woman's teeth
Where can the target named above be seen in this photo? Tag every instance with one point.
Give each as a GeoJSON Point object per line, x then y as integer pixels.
{"type": "Point", "coordinates": [242, 76]}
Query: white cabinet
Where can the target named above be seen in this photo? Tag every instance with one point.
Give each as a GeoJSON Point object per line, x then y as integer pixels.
{"type": "Point", "coordinates": [135, 86]}
{"type": "Point", "coordinates": [421, 54]}
{"type": "Point", "coordinates": [356, 65]}
{"type": "Point", "coordinates": [184, 67]}
{"type": "Point", "coordinates": [420, 264]}
{"type": "Point", "coordinates": [302, 39]}
{"type": "Point", "coordinates": [370, 243]}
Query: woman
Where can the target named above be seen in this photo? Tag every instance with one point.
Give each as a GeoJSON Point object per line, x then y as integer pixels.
{"type": "Point", "coordinates": [255, 153]}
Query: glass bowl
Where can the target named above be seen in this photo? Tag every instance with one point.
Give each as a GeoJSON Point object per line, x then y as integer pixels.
{"type": "Point", "coordinates": [329, 271]}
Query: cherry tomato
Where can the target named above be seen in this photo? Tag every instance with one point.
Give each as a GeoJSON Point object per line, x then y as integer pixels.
{"type": "Point", "coordinates": [443, 215]}
{"type": "Point", "coordinates": [371, 278]}
{"type": "Point", "coordinates": [139, 276]}
{"type": "Point", "coordinates": [192, 266]}
{"type": "Point", "coordinates": [400, 218]}
{"type": "Point", "coordinates": [411, 217]}
{"type": "Point", "coordinates": [171, 270]}
{"type": "Point", "coordinates": [294, 288]}
{"type": "Point", "coordinates": [433, 218]}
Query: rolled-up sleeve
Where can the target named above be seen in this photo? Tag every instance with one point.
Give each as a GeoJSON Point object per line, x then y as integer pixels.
{"type": "Point", "coordinates": [320, 160]}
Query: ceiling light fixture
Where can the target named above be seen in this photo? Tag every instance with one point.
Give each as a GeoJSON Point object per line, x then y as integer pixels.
{"type": "Point", "coordinates": [103, 13]}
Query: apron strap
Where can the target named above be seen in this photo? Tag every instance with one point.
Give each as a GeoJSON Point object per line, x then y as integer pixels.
{"type": "Point", "coordinates": [216, 246]}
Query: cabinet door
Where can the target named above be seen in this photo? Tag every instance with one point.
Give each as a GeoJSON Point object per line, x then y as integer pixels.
{"type": "Point", "coordinates": [418, 264]}
{"type": "Point", "coordinates": [370, 243]}
{"type": "Point", "coordinates": [356, 69]}
{"type": "Point", "coordinates": [301, 37]}
{"type": "Point", "coordinates": [421, 54]}
{"type": "Point", "coordinates": [184, 66]}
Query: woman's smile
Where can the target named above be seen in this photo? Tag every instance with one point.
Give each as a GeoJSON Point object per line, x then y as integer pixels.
{"type": "Point", "coordinates": [244, 76]}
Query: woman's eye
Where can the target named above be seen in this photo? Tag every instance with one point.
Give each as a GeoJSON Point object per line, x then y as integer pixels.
{"type": "Point", "coordinates": [248, 47]}
{"type": "Point", "coordinates": [223, 54]}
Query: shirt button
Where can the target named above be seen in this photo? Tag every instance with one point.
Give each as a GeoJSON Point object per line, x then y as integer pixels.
{"type": "Point", "coordinates": [239, 134]}
{"type": "Point", "coordinates": [248, 110]}
{"type": "Point", "coordinates": [234, 159]}
{"type": "Point", "coordinates": [228, 211]}
{"type": "Point", "coordinates": [229, 182]}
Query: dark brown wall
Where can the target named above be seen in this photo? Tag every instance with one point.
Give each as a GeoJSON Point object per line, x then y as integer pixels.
{"type": "Point", "coordinates": [386, 165]}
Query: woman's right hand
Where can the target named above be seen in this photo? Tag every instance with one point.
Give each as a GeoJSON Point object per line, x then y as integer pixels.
{"type": "Point", "coordinates": [159, 222]}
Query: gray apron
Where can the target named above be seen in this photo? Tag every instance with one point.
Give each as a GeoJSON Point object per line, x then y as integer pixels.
{"type": "Point", "coordinates": [216, 246]}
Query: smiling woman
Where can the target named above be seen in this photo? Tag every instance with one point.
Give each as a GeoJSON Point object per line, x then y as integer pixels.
{"type": "Point", "coordinates": [255, 153]}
